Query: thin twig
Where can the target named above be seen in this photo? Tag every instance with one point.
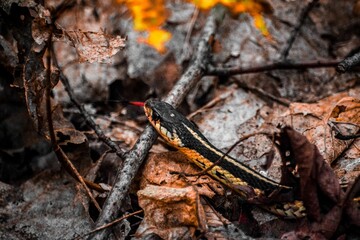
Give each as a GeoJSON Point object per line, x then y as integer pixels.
{"type": "Point", "coordinates": [86, 115]}
{"type": "Point", "coordinates": [58, 151]}
{"type": "Point", "coordinates": [187, 46]}
{"type": "Point", "coordinates": [285, 65]}
{"type": "Point", "coordinates": [303, 15]}
{"type": "Point", "coordinates": [136, 156]}
{"type": "Point", "coordinates": [109, 224]}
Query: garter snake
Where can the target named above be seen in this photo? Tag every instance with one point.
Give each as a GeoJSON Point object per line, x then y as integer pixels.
{"type": "Point", "coordinates": [182, 134]}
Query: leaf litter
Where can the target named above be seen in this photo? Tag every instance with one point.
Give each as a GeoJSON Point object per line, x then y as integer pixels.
{"type": "Point", "coordinates": [311, 166]}
{"type": "Point", "coordinates": [174, 204]}
{"type": "Point", "coordinates": [236, 31]}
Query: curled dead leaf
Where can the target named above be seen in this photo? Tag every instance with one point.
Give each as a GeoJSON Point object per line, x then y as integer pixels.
{"type": "Point", "coordinates": [315, 121]}
{"type": "Point", "coordinates": [320, 190]}
{"type": "Point", "coordinates": [315, 174]}
{"type": "Point", "coordinates": [345, 118]}
{"type": "Point", "coordinates": [346, 110]}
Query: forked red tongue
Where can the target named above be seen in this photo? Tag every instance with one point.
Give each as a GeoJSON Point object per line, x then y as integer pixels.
{"type": "Point", "coordinates": [138, 104]}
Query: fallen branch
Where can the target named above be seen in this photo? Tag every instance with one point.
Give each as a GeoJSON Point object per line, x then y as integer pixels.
{"type": "Point", "coordinates": [136, 156]}
{"type": "Point", "coordinates": [284, 65]}
{"type": "Point", "coordinates": [348, 63]}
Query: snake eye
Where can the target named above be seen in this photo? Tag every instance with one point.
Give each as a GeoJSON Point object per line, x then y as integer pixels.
{"type": "Point", "coordinates": [155, 116]}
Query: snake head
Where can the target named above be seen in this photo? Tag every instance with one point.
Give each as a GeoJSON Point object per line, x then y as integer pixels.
{"type": "Point", "coordinates": [169, 123]}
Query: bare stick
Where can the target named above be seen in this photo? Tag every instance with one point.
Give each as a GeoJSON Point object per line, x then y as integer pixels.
{"type": "Point", "coordinates": [86, 115]}
{"type": "Point", "coordinates": [136, 156]}
{"type": "Point", "coordinates": [348, 63]}
{"type": "Point", "coordinates": [109, 224]}
{"type": "Point", "coordinates": [63, 159]}
{"type": "Point", "coordinates": [284, 65]}
{"type": "Point", "coordinates": [303, 15]}
{"type": "Point", "coordinates": [187, 46]}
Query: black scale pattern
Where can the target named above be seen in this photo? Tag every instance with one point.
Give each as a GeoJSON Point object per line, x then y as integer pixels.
{"type": "Point", "coordinates": [250, 176]}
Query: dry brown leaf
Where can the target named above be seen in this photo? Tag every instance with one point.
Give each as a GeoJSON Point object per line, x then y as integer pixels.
{"type": "Point", "coordinates": [345, 117]}
{"type": "Point", "coordinates": [90, 46]}
{"type": "Point", "coordinates": [312, 123]}
{"type": "Point", "coordinates": [171, 213]}
{"type": "Point", "coordinates": [346, 110]}
{"type": "Point", "coordinates": [311, 120]}
{"type": "Point", "coordinates": [94, 46]}
{"type": "Point", "coordinates": [172, 208]}
{"type": "Point", "coordinates": [315, 174]}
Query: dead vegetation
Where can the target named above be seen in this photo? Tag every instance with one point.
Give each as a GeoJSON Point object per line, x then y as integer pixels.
{"type": "Point", "coordinates": [77, 161]}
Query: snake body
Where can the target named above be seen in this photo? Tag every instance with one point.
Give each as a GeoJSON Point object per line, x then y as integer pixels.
{"type": "Point", "coordinates": [182, 134]}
